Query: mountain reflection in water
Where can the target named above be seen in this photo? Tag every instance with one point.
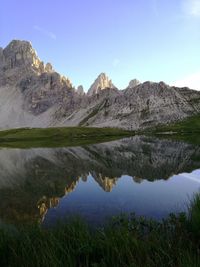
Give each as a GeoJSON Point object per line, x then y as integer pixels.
{"type": "Point", "coordinates": [37, 184]}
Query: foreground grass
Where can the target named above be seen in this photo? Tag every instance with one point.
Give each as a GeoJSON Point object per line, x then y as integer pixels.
{"type": "Point", "coordinates": [125, 241]}
{"type": "Point", "coordinates": [59, 137]}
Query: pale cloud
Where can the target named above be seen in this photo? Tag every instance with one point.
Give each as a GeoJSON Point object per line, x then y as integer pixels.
{"type": "Point", "coordinates": [192, 8]}
{"type": "Point", "coordinates": [192, 81]}
{"type": "Point", "coordinates": [116, 62]}
{"type": "Point", "coordinates": [45, 32]}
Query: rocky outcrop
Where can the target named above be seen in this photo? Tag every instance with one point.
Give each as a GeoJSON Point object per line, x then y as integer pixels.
{"type": "Point", "coordinates": [33, 94]}
{"type": "Point", "coordinates": [48, 68]}
{"type": "Point", "coordinates": [102, 82]}
{"type": "Point", "coordinates": [80, 90]}
{"type": "Point", "coordinates": [133, 83]}
{"type": "Point", "coordinates": [43, 91]}
{"type": "Point", "coordinates": [1, 54]}
{"type": "Point", "coordinates": [20, 53]}
{"type": "Point", "coordinates": [17, 60]}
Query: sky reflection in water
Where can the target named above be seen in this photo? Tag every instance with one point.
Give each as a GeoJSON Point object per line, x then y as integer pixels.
{"type": "Point", "coordinates": [152, 199]}
{"type": "Point", "coordinates": [145, 175]}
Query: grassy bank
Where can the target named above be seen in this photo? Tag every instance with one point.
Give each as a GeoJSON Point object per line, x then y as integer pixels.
{"type": "Point", "coordinates": [55, 137]}
{"type": "Point", "coordinates": [187, 130]}
{"type": "Point", "coordinates": [125, 241]}
{"type": "Point", "coordinates": [189, 125]}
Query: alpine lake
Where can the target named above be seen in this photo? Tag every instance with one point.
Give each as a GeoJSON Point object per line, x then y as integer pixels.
{"type": "Point", "coordinates": [145, 175]}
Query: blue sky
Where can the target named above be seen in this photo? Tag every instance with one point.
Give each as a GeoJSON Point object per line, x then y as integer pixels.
{"type": "Point", "coordinates": [147, 39]}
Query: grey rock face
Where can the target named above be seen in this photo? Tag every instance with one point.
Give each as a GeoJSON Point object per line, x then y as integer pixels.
{"type": "Point", "coordinates": [1, 55]}
{"type": "Point", "coordinates": [17, 60]}
{"type": "Point", "coordinates": [133, 83]}
{"type": "Point", "coordinates": [32, 94]}
{"type": "Point", "coordinates": [43, 91]}
{"type": "Point", "coordinates": [80, 90]}
{"type": "Point", "coordinates": [48, 67]}
{"type": "Point", "coordinates": [102, 82]}
{"type": "Point", "coordinates": [21, 54]}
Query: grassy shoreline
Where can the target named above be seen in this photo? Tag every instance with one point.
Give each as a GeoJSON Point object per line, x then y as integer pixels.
{"type": "Point", "coordinates": [187, 130]}
{"type": "Point", "coordinates": [58, 137]}
{"type": "Point", "coordinates": [125, 241]}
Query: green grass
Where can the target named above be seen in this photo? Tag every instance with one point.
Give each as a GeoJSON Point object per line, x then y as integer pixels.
{"type": "Point", "coordinates": [189, 125]}
{"type": "Point", "coordinates": [55, 137]}
{"type": "Point", "coordinates": [187, 130]}
{"type": "Point", "coordinates": [194, 216]}
{"type": "Point", "coordinates": [124, 241]}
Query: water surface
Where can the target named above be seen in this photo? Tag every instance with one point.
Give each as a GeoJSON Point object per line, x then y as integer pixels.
{"type": "Point", "coordinates": [148, 176]}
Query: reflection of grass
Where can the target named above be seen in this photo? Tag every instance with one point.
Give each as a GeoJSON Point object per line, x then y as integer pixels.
{"type": "Point", "coordinates": [193, 138]}
{"type": "Point", "coordinates": [125, 241]}
{"type": "Point", "coordinates": [51, 137]}
{"type": "Point", "coordinates": [195, 157]}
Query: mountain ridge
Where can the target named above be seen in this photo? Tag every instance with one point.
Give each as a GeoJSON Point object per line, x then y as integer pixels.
{"type": "Point", "coordinates": [33, 94]}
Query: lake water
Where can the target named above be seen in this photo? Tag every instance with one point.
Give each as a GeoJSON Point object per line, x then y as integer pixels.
{"type": "Point", "coordinates": [148, 176]}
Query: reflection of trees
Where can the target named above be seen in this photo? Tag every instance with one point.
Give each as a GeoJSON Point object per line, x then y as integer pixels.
{"type": "Point", "coordinates": [53, 173]}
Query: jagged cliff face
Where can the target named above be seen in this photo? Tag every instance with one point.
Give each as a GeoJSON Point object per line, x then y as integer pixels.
{"type": "Point", "coordinates": [32, 94]}
{"type": "Point", "coordinates": [80, 90]}
{"type": "Point", "coordinates": [133, 83]}
{"type": "Point", "coordinates": [18, 60]}
{"type": "Point", "coordinates": [30, 91]}
{"type": "Point", "coordinates": [102, 82]}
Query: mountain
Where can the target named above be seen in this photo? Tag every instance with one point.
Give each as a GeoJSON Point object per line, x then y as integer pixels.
{"type": "Point", "coordinates": [102, 82]}
{"type": "Point", "coordinates": [33, 94]}
{"type": "Point", "coordinates": [133, 83]}
{"type": "Point", "coordinates": [80, 90]}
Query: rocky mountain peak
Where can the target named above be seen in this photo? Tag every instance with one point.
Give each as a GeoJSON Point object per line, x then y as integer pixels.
{"type": "Point", "coordinates": [102, 82]}
{"type": "Point", "coordinates": [48, 67]}
{"type": "Point", "coordinates": [80, 90]}
{"type": "Point", "coordinates": [19, 60]}
{"type": "Point", "coordinates": [133, 83]}
{"type": "Point", "coordinates": [20, 54]}
{"type": "Point", "coordinates": [66, 81]}
{"type": "Point", "coordinates": [32, 94]}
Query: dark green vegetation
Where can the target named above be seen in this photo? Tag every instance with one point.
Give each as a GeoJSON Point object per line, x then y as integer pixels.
{"type": "Point", "coordinates": [125, 241]}
{"type": "Point", "coordinates": [188, 125]}
{"type": "Point", "coordinates": [187, 130]}
{"type": "Point", "coordinates": [59, 137]}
